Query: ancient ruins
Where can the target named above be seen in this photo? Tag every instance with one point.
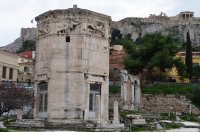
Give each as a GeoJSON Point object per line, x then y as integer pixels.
{"type": "Point", "coordinates": [72, 65]}
{"type": "Point", "coordinates": [130, 91]}
{"type": "Point", "coordinates": [176, 25]}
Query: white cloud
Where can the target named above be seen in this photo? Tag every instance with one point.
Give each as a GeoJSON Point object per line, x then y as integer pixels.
{"type": "Point", "coordinates": [15, 14]}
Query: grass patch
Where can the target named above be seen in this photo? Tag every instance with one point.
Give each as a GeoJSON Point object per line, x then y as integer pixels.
{"type": "Point", "coordinates": [170, 125]}
{"type": "Point", "coordinates": [191, 91]}
{"type": "Point", "coordinates": [123, 113]}
{"type": "Point", "coordinates": [114, 90]}
{"type": "Point", "coordinates": [188, 117]}
{"type": "Point", "coordinates": [138, 128]}
{"type": "Point", "coordinates": [178, 89]}
{"type": "Point", "coordinates": [166, 116]}
{"type": "Point", "coordinates": [3, 130]}
{"type": "Point", "coordinates": [1, 118]}
{"type": "Point", "coordinates": [9, 121]}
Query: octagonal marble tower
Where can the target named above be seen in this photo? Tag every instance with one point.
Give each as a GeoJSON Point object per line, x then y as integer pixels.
{"type": "Point", "coordinates": [72, 65]}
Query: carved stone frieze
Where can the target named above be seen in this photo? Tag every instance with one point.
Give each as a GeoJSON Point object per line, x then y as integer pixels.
{"type": "Point", "coordinates": [69, 26]}
{"type": "Point", "coordinates": [43, 31]}
{"type": "Point", "coordinates": [97, 28]}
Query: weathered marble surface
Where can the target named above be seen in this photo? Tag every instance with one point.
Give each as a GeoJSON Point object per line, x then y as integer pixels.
{"type": "Point", "coordinates": [72, 52]}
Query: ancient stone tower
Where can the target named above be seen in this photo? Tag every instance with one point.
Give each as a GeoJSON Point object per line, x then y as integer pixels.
{"type": "Point", "coordinates": [72, 65]}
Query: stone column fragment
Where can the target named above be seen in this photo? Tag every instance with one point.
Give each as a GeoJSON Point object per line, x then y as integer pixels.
{"type": "Point", "coordinates": [116, 113]}
{"type": "Point", "coordinates": [19, 114]}
{"type": "Point", "coordinates": [98, 107]}
{"type": "Point", "coordinates": [137, 95]}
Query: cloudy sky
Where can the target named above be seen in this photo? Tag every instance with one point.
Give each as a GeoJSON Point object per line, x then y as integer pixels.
{"type": "Point", "coordinates": [15, 14]}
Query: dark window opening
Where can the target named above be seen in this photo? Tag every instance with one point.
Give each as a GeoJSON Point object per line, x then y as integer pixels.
{"type": "Point", "coordinates": [25, 69]}
{"type": "Point", "coordinates": [43, 96]}
{"type": "Point", "coordinates": [43, 86]}
{"type": "Point", "coordinates": [67, 38]}
{"type": "Point", "coordinates": [95, 89]}
{"type": "Point", "coordinates": [195, 64]}
{"type": "Point", "coordinates": [91, 102]}
{"type": "Point", "coordinates": [43, 101]}
{"type": "Point", "coordinates": [11, 74]}
{"type": "Point", "coordinates": [29, 81]}
{"type": "Point", "coordinates": [4, 72]}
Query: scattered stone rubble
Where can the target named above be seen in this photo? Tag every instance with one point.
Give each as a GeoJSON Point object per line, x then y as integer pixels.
{"type": "Point", "coordinates": [168, 103]}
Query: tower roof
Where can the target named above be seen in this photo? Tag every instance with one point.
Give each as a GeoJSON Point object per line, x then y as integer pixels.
{"type": "Point", "coordinates": [74, 10]}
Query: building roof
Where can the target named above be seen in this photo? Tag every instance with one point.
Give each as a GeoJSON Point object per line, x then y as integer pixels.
{"type": "Point", "coordinates": [9, 53]}
{"type": "Point", "coordinates": [27, 54]}
{"type": "Point", "coordinates": [183, 12]}
{"type": "Point", "coordinates": [70, 11]}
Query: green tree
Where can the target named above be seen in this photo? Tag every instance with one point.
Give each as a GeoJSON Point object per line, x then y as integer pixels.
{"type": "Point", "coordinates": [27, 45]}
{"type": "Point", "coordinates": [155, 51]}
{"type": "Point", "coordinates": [188, 57]}
{"type": "Point", "coordinates": [196, 96]}
{"type": "Point", "coordinates": [115, 36]}
{"type": "Point", "coordinates": [181, 68]}
{"type": "Point", "coordinates": [132, 61]}
{"type": "Point", "coordinates": [128, 36]}
{"type": "Point", "coordinates": [196, 71]}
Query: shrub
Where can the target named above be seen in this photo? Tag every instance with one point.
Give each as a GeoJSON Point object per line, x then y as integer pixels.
{"type": "Point", "coordinates": [196, 96]}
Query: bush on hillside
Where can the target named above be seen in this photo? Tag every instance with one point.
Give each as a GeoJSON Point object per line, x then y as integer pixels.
{"type": "Point", "coordinates": [196, 96]}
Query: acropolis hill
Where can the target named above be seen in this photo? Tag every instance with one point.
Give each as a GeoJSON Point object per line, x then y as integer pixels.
{"type": "Point", "coordinates": [175, 25]}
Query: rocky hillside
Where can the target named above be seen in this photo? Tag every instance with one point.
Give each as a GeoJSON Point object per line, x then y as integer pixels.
{"type": "Point", "coordinates": [26, 34]}
{"type": "Point", "coordinates": [137, 27]}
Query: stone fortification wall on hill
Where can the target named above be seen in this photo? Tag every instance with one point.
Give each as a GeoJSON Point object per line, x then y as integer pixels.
{"type": "Point", "coordinates": [26, 34]}
{"type": "Point", "coordinates": [137, 27]}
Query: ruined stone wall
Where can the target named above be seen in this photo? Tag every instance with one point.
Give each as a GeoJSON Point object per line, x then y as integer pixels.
{"type": "Point", "coordinates": [168, 103]}
{"type": "Point", "coordinates": [26, 34]}
{"type": "Point", "coordinates": [116, 59]}
{"type": "Point", "coordinates": [160, 103]}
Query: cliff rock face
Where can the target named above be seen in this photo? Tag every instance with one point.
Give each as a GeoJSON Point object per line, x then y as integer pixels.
{"type": "Point", "coordinates": [177, 25]}
{"type": "Point", "coordinates": [26, 34]}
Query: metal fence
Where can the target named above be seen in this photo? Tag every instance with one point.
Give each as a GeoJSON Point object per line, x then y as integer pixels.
{"type": "Point", "coordinates": [9, 84]}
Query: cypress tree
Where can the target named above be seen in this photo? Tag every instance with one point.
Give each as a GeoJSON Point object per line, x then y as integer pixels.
{"type": "Point", "coordinates": [188, 57]}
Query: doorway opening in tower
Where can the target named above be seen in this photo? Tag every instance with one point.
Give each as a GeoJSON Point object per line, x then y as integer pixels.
{"type": "Point", "coordinates": [95, 89]}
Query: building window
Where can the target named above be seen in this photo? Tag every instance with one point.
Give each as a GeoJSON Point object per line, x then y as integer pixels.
{"type": "Point", "coordinates": [195, 64]}
{"type": "Point", "coordinates": [95, 89]}
{"type": "Point", "coordinates": [43, 102]}
{"type": "Point", "coordinates": [67, 38]}
{"type": "Point", "coordinates": [4, 72]}
{"type": "Point", "coordinates": [43, 97]}
{"type": "Point", "coordinates": [11, 74]}
{"type": "Point", "coordinates": [25, 69]}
